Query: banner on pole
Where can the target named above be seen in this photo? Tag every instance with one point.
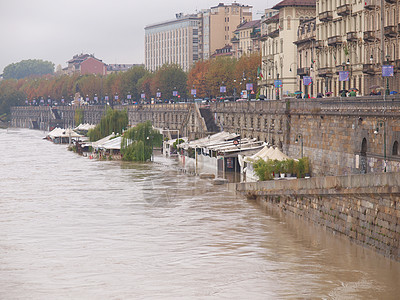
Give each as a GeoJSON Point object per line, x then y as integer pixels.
{"type": "Point", "coordinates": [344, 76]}
{"type": "Point", "coordinates": [278, 83]}
{"type": "Point", "coordinates": [249, 86]}
{"type": "Point", "coordinates": [307, 80]}
{"type": "Point", "coordinates": [387, 70]}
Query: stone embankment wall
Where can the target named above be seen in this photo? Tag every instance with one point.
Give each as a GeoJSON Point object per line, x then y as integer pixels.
{"type": "Point", "coordinates": [364, 208]}
{"type": "Point", "coordinates": [184, 118]}
{"type": "Point", "coordinates": [338, 135]}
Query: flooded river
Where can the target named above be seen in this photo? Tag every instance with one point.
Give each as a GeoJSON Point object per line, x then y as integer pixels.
{"type": "Point", "coordinates": [75, 228]}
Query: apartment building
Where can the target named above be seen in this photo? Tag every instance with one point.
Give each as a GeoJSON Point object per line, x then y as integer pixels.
{"type": "Point", "coordinates": [306, 71]}
{"type": "Point", "coordinates": [175, 41]}
{"type": "Point", "coordinates": [224, 19]}
{"type": "Point", "coordinates": [85, 64]}
{"type": "Point", "coordinates": [247, 38]}
{"type": "Point", "coordinates": [193, 37]}
{"type": "Point", "coordinates": [340, 45]}
{"type": "Point", "coordinates": [278, 50]}
{"type": "Point", "coordinates": [381, 43]}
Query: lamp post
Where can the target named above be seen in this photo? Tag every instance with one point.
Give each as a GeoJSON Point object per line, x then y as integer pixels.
{"type": "Point", "coordinates": [290, 70]}
{"type": "Point", "coordinates": [151, 140]}
{"type": "Point", "coordinates": [381, 124]}
{"type": "Point", "coordinates": [344, 82]}
{"type": "Point", "coordinates": [277, 88]}
{"type": "Point", "coordinates": [234, 90]}
{"type": "Point", "coordinates": [300, 137]}
{"type": "Point", "coordinates": [175, 94]}
{"type": "Point", "coordinates": [387, 77]}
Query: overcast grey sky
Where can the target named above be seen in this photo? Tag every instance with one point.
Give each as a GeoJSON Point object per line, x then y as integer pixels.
{"type": "Point", "coordinates": [55, 30]}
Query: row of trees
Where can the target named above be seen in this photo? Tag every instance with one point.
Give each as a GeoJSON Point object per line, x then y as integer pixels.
{"type": "Point", "coordinates": [26, 68]}
{"type": "Point", "coordinates": [206, 77]}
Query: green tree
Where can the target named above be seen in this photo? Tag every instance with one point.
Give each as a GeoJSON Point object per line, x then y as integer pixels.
{"type": "Point", "coordinates": [170, 77]}
{"type": "Point", "coordinates": [138, 142]}
{"type": "Point", "coordinates": [113, 121]}
{"type": "Point", "coordinates": [10, 96]}
{"type": "Point", "coordinates": [79, 116]}
{"type": "Point", "coordinates": [26, 68]}
{"type": "Point", "coordinates": [130, 81]}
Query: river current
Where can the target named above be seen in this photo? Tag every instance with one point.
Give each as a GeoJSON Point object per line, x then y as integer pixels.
{"type": "Point", "coordinates": [75, 228]}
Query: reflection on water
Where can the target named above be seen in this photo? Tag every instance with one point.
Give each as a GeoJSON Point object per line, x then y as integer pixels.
{"type": "Point", "coordinates": [74, 228]}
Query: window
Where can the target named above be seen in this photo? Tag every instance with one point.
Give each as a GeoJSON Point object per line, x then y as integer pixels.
{"type": "Point", "coordinates": [395, 148]}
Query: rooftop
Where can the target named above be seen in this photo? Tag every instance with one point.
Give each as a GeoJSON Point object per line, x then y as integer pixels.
{"type": "Point", "coordinates": [286, 3]}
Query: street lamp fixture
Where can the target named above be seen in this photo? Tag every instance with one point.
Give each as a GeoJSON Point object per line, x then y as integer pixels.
{"type": "Point", "coordinates": [381, 125]}
{"type": "Point", "coordinates": [300, 138]}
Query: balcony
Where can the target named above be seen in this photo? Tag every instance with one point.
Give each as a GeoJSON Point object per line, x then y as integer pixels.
{"type": "Point", "coordinates": [268, 58]}
{"type": "Point", "coordinates": [334, 40]}
{"type": "Point", "coordinates": [390, 31]}
{"type": "Point", "coordinates": [344, 10]}
{"type": "Point", "coordinates": [325, 72]}
{"type": "Point", "coordinates": [369, 36]}
{"type": "Point", "coordinates": [325, 16]}
{"type": "Point", "coordinates": [255, 35]}
{"type": "Point", "coordinates": [369, 69]}
{"type": "Point", "coordinates": [352, 36]}
{"type": "Point", "coordinates": [303, 71]}
{"type": "Point", "coordinates": [274, 33]}
{"type": "Point", "coordinates": [319, 44]}
{"type": "Point", "coordinates": [370, 4]}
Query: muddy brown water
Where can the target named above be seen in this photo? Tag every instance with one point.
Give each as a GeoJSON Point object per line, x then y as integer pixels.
{"type": "Point", "coordinates": [75, 228]}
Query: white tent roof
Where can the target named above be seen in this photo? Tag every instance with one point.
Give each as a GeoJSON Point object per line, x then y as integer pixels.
{"type": "Point", "coordinates": [268, 152]}
{"type": "Point", "coordinates": [85, 127]}
{"type": "Point", "coordinates": [212, 140]}
{"type": "Point", "coordinates": [97, 143]}
{"type": "Point", "coordinates": [114, 144]}
{"type": "Point", "coordinates": [63, 133]}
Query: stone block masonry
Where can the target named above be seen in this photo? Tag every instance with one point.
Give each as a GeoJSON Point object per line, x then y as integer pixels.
{"type": "Point", "coordinates": [364, 208]}
{"type": "Point", "coordinates": [338, 135]}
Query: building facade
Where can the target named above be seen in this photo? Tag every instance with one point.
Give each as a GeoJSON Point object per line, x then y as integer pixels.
{"type": "Point", "coordinates": [224, 19]}
{"type": "Point", "coordinates": [194, 37]}
{"type": "Point", "coordinates": [85, 64]}
{"type": "Point", "coordinates": [279, 52]}
{"type": "Point", "coordinates": [173, 42]}
{"type": "Point", "coordinates": [247, 38]}
{"type": "Point", "coordinates": [340, 45]}
{"type": "Point", "coordinates": [305, 43]}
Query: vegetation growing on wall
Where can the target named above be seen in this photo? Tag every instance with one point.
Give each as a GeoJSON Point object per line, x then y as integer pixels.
{"type": "Point", "coordinates": [79, 116]}
{"type": "Point", "coordinates": [113, 121]}
{"type": "Point", "coordinates": [138, 142]}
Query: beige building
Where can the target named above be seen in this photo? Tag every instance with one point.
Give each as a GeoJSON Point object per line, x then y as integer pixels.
{"type": "Point", "coordinates": [175, 41]}
{"type": "Point", "coordinates": [340, 45]}
{"type": "Point", "coordinates": [193, 37]}
{"type": "Point", "coordinates": [247, 38]}
{"type": "Point", "coordinates": [305, 43]}
{"type": "Point", "coordinates": [224, 19]}
{"type": "Point", "coordinates": [279, 53]}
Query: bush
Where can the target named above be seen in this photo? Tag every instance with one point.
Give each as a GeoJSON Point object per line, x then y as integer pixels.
{"type": "Point", "coordinates": [265, 170]}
